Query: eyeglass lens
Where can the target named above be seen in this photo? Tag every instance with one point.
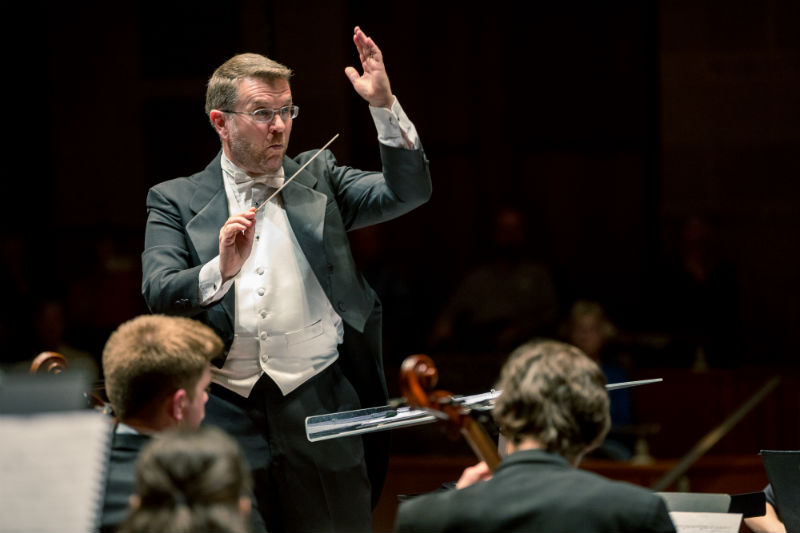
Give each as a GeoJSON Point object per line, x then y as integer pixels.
{"type": "Point", "coordinates": [266, 115]}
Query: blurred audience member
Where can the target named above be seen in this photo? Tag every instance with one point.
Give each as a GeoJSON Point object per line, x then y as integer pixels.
{"type": "Point", "coordinates": [191, 480]}
{"type": "Point", "coordinates": [402, 294]}
{"type": "Point", "coordinates": [506, 300]}
{"type": "Point", "coordinates": [50, 334]}
{"type": "Point", "coordinates": [589, 328]}
{"type": "Point", "coordinates": [105, 292]}
{"type": "Point", "coordinates": [695, 301]}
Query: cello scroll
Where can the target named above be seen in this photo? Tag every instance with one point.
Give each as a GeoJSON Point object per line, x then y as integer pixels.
{"type": "Point", "coordinates": [418, 377]}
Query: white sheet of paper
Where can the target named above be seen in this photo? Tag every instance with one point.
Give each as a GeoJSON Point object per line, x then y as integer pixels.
{"type": "Point", "coordinates": [52, 470]}
{"type": "Point", "coordinates": [706, 522]}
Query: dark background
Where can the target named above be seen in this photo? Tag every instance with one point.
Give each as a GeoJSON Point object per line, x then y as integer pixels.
{"type": "Point", "coordinates": [607, 123]}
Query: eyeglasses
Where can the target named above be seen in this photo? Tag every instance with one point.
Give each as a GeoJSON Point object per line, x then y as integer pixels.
{"type": "Point", "coordinates": [265, 116]}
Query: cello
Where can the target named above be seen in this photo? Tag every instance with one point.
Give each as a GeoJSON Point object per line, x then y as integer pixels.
{"type": "Point", "coordinates": [418, 378]}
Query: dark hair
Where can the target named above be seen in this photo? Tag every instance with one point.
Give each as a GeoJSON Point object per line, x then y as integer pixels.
{"type": "Point", "coordinates": [553, 393]}
{"type": "Point", "coordinates": [190, 480]}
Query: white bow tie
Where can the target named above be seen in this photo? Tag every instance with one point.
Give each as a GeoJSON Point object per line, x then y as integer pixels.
{"type": "Point", "coordinates": [270, 180]}
{"type": "Point", "coordinates": [259, 188]}
{"type": "Point", "coordinates": [251, 189]}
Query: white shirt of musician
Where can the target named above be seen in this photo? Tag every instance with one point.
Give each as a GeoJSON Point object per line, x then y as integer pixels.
{"type": "Point", "coordinates": [284, 324]}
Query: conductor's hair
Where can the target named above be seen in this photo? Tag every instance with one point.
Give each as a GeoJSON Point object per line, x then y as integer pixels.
{"type": "Point", "coordinates": [223, 86]}
{"type": "Point", "coordinates": [150, 357]}
{"type": "Point", "coordinates": [555, 394]}
{"type": "Point", "coordinates": [190, 480]}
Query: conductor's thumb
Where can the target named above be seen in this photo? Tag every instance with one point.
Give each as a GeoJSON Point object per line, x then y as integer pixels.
{"type": "Point", "coordinates": [352, 74]}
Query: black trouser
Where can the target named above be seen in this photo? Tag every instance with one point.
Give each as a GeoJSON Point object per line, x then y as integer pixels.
{"type": "Point", "coordinates": [299, 486]}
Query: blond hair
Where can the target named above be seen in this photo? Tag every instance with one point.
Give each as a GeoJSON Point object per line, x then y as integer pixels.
{"type": "Point", "coordinates": [152, 356]}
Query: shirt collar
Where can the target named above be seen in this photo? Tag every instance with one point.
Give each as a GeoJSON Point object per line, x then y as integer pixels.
{"type": "Point", "coordinates": [126, 429]}
{"type": "Point", "coordinates": [239, 177]}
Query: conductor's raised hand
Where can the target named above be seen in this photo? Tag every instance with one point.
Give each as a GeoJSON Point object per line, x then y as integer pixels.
{"type": "Point", "coordinates": [373, 83]}
{"type": "Point", "coordinates": [236, 242]}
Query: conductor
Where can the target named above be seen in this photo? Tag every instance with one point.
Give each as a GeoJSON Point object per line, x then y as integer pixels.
{"type": "Point", "coordinates": [266, 262]}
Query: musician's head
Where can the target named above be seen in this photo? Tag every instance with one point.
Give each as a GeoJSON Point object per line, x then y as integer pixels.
{"type": "Point", "coordinates": [191, 480]}
{"type": "Point", "coordinates": [157, 371]}
{"type": "Point", "coordinates": [242, 101]}
{"type": "Point", "coordinates": [554, 398]}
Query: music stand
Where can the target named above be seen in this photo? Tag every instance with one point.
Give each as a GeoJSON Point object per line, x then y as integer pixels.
{"type": "Point", "coordinates": [53, 454]}
{"type": "Point", "coordinates": [23, 393]}
{"type": "Point", "coordinates": [371, 419]}
{"type": "Point", "coordinates": [696, 502]}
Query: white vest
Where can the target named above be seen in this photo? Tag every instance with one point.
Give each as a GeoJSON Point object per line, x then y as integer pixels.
{"type": "Point", "coordinates": [284, 326]}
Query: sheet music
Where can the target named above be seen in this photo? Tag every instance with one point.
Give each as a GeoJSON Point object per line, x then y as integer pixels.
{"type": "Point", "coordinates": [686, 522]}
{"type": "Point", "coordinates": [53, 467]}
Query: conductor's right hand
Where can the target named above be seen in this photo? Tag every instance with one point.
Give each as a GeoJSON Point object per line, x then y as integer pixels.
{"type": "Point", "coordinates": [236, 242]}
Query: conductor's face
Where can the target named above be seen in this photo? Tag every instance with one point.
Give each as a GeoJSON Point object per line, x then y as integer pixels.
{"type": "Point", "coordinates": [256, 146]}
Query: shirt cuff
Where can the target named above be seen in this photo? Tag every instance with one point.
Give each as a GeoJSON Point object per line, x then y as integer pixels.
{"type": "Point", "coordinates": [212, 289]}
{"type": "Point", "coordinates": [394, 127]}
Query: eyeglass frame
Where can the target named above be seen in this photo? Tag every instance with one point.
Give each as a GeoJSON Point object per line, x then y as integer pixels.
{"type": "Point", "coordinates": [291, 112]}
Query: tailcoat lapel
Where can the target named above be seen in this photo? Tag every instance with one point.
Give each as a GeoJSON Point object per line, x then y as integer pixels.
{"type": "Point", "coordinates": [305, 209]}
{"type": "Point", "coordinates": [209, 204]}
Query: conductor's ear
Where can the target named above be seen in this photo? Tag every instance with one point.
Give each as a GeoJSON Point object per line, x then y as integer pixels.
{"type": "Point", "coordinates": [219, 121]}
